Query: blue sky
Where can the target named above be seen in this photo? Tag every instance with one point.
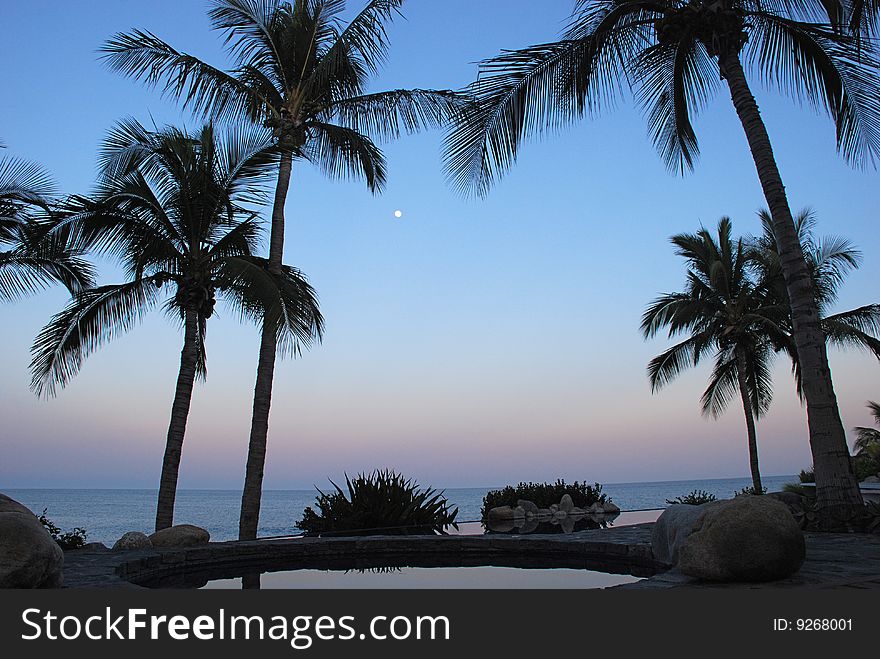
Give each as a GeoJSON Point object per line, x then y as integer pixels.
{"type": "Point", "coordinates": [470, 342]}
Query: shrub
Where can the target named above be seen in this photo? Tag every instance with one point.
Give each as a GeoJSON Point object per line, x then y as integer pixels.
{"type": "Point", "coordinates": [381, 503]}
{"type": "Point", "coordinates": [807, 476]}
{"type": "Point", "coordinates": [694, 498]}
{"type": "Point", "coordinates": [70, 540]}
{"type": "Point", "coordinates": [749, 491]}
{"type": "Point", "coordinates": [544, 495]}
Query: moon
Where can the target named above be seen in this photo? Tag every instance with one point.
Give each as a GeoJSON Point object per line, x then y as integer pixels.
{"type": "Point", "coordinates": [398, 214]}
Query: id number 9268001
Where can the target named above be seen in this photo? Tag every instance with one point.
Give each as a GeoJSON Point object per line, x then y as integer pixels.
{"type": "Point", "coordinates": [812, 624]}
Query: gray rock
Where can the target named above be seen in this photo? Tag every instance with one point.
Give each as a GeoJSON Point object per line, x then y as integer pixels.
{"type": "Point", "coordinates": [872, 479]}
{"type": "Point", "coordinates": [94, 546]}
{"type": "Point", "coordinates": [565, 503]}
{"type": "Point", "coordinates": [611, 508]}
{"type": "Point", "coordinates": [577, 512]}
{"type": "Point", "coordinates": [752, 538]}
{"type": "Point", "coordinates": [182, 535]}
{"type": "Point", "coordinates": [519, 513]}
{"type": "Point", "coordinates": [794, 501]}
{"type": "Point", "coordinates": [29, 557]}
{"type": "Point", "coordinates": [596, 509]}
{"type": "Point", "coordinates": [528, 506]}
{"type": "Point", "coordinates": [544, 514]}
{"type": "Point", "coordinates": [133, 540]}
{"type": "Point", "coordinates": [500, 513]}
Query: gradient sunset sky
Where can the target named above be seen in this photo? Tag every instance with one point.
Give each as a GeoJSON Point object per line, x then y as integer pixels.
{"type": "Point", "coordinates": [468, 343]}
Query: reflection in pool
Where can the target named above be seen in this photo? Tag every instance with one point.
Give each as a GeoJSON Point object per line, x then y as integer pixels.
{"type": "Point", "coordinates": [431, 577]}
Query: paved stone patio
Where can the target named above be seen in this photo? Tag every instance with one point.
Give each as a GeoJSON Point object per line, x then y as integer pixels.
{"type": "Point", "coordinates": [833, 560]}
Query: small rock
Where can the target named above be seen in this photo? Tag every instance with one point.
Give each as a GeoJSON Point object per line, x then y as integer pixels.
{"type": "Point", "coordinates": [133, 540]}
{"type": "Point", "coordinates": [566, 504]}
{"type": "Point", "coordinates": [94, 546]}
{"type": "Point", "coordinates": [182, 535]}
{"type": "Point", "coordinates": [611, 508]}
{"type": "Point", "coordinates": [577, 512]}
{"type": "Point", "coordinates": [528, 506]}
{"type": "Point", "coordinates": [872, 479]}
{"type": "Point", "coordinates": [544, 514]}
{"type": "Point", "coordinates": [596, 509]}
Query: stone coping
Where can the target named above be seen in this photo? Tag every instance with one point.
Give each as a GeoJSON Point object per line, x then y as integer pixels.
{"type": "Point", "coordinates": [833, 560]}
{"type": "Point", "coordinates": [623, 550]}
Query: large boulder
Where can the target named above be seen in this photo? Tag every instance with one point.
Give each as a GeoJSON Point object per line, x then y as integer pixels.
{"type": "Point", "coordinates": [133, 540]}
{"type": "Point", "coordinates": [182, 535]}
{"type": "Point", "coordinates": [29, 557]}
{"type": "Point", "coordinates": [749, 538]}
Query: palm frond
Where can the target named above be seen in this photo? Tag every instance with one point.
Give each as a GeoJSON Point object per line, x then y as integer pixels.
{"type": "Point", "coordinates": [818, 64]}
{"type": "Point", "coordinates": [200, 87]}
{"type": "Point", "coordinates": [387, 115]}
{"type": "Point", "coordinates": [94, 317]}
{"type": "Point", "coordinates": [341, 152]}
{"type": "Point", "coordinates": [286, 301]}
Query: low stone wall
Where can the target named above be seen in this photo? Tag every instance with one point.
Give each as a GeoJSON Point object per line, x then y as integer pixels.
{"type": "Point", "coordinates": [625, 550]}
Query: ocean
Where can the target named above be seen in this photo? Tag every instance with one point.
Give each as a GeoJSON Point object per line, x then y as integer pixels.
{"type": "Point", "coordinates": [107, 514]}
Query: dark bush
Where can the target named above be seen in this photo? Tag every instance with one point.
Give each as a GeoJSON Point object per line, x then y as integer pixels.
{"type": "Point", "coordinates": [694, 498]}
{"type": "Point", "coordinates": [70, 540]}
{"type": "Point", "coordinates": [381, 503]}
{"type": "Point", "coordinates": [749, 491]}
{"type": "Point", "coordinates": [544, 495]}
{"type": "Point", "coordinates": [807, 476]}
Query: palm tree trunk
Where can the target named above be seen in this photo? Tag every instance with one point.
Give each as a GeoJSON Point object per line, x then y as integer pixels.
{"type": "Point", "coordinates": [177, 427]}
{"type": "Point", "coordinates": [741, 367]}
{"type": "Point", "coordinates": [256, 460]}
{"type": "Point", "coordinates": [838, 498]}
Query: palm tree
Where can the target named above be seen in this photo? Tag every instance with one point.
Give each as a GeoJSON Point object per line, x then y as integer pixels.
{"type": "Point", "coordinates": [672, 53]}
{"type": "Point", "coordinates": [35, 257]}
{"type": "Point", "coordinates": [726, 314]}
{"type": "Point", "coordinates": [172, 208]}
{"type": "Point", "coordinates": [829, 260]}
{"type": "Point", "coordinates": [302, 73]}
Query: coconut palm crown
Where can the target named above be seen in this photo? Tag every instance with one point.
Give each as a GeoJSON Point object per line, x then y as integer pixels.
{"type": "Point", "coordinates": [301, 71]}
{"type": "Point", "coordinates": [673, 55]}
{"type": "Point", "coordinates": [175, 209]}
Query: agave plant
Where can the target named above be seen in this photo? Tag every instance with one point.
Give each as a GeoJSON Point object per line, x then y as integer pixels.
{"type": "Point", "coordinates": [380, 503]}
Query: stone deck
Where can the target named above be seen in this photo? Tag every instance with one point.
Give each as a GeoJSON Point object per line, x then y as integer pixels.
{"type": "Point", "coordinates": [833, 560]}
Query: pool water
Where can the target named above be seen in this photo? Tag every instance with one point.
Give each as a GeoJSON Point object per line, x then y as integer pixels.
{"type": "Point", "coordinates": [431, 577]}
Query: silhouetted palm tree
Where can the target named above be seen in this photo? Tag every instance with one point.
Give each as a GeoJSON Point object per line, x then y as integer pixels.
{"type": "Point", "coordinates": [33, 257]}
{"type": "Point", "coordinates": [172, 208]}
{"type": "Point", "coordinates": [726, 315]}
{"type": "Point", "coordinates": [673, 53]}
{"type": "Point", "coordinates": [303, 73]}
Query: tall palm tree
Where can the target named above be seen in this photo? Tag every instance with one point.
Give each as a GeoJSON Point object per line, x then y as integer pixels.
{"type": "Point", "coordinates": [173, 208]}
{"type": "Point", "coordinates": [725, 314]}
{"type": "Point", "coordinates": [33, 256]}
{"type": "Point", "coordinates": [673, 53]}
{"type": "Point", "coordinates": [829, 260]}
{"type": "Point", "coordinates": [302, 73]}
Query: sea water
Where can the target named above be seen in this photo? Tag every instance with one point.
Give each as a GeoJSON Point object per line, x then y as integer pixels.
{"type": "Point", "coordinates": [107, 514]}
